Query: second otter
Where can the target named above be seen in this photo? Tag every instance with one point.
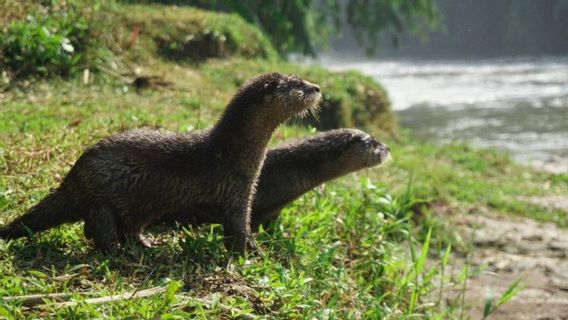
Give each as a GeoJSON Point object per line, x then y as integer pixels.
{"type": "Point", "coordinates": [294, 168]}
{"type": "Point", "coordinates": [124, 182]}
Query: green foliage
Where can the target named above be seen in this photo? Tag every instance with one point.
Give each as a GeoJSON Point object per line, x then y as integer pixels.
{"type": "Point", "coordinates": [336, 253]}
{"type": "Point", "coordinates": [189, 34]}
{"type": "Point", "coordinates": [30, 48]}
{"type": "Point", "coordinates": [457, 177]}
{"type": "Point", "coordinates": [351, 100]}
{"type": "Point", "coordinates": [52, 40]}
{"type": "Point", "coordinates": [304, 25]}
{"type": "Point", "coordinates": [371, 17]}
{"type": "Point", "coordinates": [513, 290]}
{"type": "Point", "coordinates": [292, 25]}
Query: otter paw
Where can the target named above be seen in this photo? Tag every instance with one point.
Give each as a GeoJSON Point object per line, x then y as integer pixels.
{"type": "Point", "coordinates": [146, 241]}
{"type": "Point", "coordinates": [252, 245]}
{"type": "Point", "coordinates": [254, 248]}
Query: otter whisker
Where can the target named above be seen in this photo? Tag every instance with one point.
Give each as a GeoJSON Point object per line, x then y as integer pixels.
{"type": "Point", "coordinates": [314, 110]}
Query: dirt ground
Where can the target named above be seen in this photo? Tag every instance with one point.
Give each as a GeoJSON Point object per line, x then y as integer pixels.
{"type": "Point", "coordinates": [514, 247]}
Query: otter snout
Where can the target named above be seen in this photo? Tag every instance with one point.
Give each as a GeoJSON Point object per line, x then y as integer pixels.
{"type": "Point", "coordinates": [311, 88]}
{"type": "Point", "coordinates": [379, 152]}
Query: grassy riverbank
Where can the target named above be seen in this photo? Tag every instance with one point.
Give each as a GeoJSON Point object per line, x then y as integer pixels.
{"type": "Point", "coordinates": [350, 249]}
{"type": "Point", "coordinates": [340, 250]}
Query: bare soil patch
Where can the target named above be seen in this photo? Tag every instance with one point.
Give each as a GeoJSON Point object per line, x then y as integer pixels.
{"type": "Point", "coordinates": [556, 202]}
{"type": "Point", "coordinates": [512, 247]}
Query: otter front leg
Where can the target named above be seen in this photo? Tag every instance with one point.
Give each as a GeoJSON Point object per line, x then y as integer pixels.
{"type": "Point", "coordinates": [237, 231]}
{"type": "Point", "coordinates": [101, 227]}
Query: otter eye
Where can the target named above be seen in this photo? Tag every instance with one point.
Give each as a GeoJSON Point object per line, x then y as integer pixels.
{"type": "Point", "coordinates": [269, 86]}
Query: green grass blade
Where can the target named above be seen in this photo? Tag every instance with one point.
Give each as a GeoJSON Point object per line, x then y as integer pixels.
{"type": "Point", "coordinates": [512, 291]}
{"type": "Point", "coordinates": [447, 255]}
{"type": "Point", "coordinates": [424, 253]}
{"type": "Point", "coordinates": [487, 306]}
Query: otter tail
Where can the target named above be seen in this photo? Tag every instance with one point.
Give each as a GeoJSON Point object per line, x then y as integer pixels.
{"type": "Point", "coordinates": [50, 212]}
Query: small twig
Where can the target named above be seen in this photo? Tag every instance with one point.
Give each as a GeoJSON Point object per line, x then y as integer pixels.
{"type": "Point", "coordinates": [114, 298]}
{"type": "Point", "coordinates": [65, 277]}
{"type": "Point", "coordinates": [38, 300]}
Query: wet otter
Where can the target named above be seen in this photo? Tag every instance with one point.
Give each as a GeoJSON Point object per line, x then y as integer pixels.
{"type": "Point", "coordinates": [294, 168]}
{"type": "Point", "coordinates": [124, 182]}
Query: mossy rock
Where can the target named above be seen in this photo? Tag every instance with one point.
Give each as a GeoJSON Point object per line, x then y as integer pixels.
{"type": "Point", "coordinates": [350, 98]}
{"type": "Point", "coordinates": [192, 35]}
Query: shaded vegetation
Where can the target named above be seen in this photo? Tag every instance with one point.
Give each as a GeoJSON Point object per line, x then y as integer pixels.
{"type": "Point", "coordinates": [189, 34]}
{"type": "Point", "coordinates": [305, 25]}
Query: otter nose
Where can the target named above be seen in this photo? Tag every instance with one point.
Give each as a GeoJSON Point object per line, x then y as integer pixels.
{"type": "Point", "coordinates": [311, 87]}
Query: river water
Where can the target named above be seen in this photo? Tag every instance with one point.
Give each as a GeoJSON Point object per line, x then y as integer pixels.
{"type": "Point", "coordinates": [515, 104]}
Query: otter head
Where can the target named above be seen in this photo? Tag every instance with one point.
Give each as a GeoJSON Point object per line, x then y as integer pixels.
{"type": "Point", "coordinates": [362, 150]}
{"type": "Point", "coordinates": [281, 96]}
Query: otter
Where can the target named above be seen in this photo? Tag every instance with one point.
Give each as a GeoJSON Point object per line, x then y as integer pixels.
{"type": "Point", "coordinates": [296, 167]}
{"type": "Point", "coordinates": [126, 181]}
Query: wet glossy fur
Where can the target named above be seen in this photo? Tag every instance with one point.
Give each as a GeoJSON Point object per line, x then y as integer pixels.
{"type": "Point", "coordinates": [294, 168]}
{"type": "Point", "coordinates": [126, 181]}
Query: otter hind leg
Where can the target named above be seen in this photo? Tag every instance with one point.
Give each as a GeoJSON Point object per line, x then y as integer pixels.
{"type": "Point", "coordinates": [101, 227]}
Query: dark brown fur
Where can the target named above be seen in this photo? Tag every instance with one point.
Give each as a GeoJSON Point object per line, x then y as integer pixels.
{"type": "Point", "coordinates": [294, 168]}
{"type": "Point", "coordinates": [126, 181]}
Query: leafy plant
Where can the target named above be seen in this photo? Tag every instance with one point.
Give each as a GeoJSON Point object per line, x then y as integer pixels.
{"type": "Point", "coordinates": [35, 48]}
{"type": "Point", "coordinates": [510, 293]}
{"type": "Point", "coordinates": [53, 40]}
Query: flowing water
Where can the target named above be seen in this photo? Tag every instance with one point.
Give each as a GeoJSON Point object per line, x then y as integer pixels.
{"type": "Point", "coordinates": [514, 104]}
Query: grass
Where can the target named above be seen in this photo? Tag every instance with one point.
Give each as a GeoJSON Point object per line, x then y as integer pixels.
{"type": "Point", "coordinates": [371, 245]}
{"type": "Point", "coordinates": [338, 252]}
{"type": "Point", "coordinates": [464, 179]}
{"type": "Point", "coordinates": [190, 34]}
{"type": "Point", "coordinates": [317, 263]}
{"type": "Point", "coordinates": [333, 254]}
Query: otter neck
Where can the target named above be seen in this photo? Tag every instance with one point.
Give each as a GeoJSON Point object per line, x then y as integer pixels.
{"type": "Point", "coordinates": [240, 137]}
{"type": "Point", "coordinates": [332, 169]}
